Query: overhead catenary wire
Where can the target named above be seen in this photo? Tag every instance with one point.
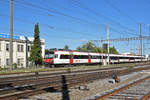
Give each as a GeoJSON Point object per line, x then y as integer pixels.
{"type": "Point", "coordinates": [30, 22]}
{"type": "Point", "coordinates": [81, 5]}
{"type": "Point", "coordinates": [54, 11]}
{"type": "Point", "coordinates": [91, 33]}
{"type": "Point", "coordinates": [104, 25]}
{"type": "Point", "coordinates": [51, 27]}
{"type": "Point", "coordinates": [121, 12]}
{"type": "Point", "coordinates": [62, 14]}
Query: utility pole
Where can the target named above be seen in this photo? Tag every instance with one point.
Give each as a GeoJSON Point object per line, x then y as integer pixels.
{"type": "Point", "coordinates": [149, 29]}
{"type": "Point", "coordinates": [11, 36]}
{"type": "Point", "coordinates": [27, 51]}
{"type": "Point", "coordinates": [97, 43]}
{"type": "Point", "coordinates": [108, 41]}
{"type": "Point", "coordinates": [140, 45]}
{"type": "Point", "coordinates": [102, 50]}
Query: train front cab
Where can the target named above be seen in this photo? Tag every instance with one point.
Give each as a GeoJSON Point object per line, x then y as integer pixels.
{"type": "Point", "coordinates": [49, 59]}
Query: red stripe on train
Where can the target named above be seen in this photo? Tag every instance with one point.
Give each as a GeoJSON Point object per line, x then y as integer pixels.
{"type": "Point", "coordinates": [89, 60]}
{"type": "Point", "coordinates": [71, 59]}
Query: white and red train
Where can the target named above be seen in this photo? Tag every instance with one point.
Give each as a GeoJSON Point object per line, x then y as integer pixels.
{"type": "Point", "coordinates": [58, 57]}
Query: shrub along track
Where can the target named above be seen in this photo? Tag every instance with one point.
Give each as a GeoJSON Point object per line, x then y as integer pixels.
{"type": "Point", "coordinates": [66, 70]}
{"type": "Point", "coordinates": [15, 88]}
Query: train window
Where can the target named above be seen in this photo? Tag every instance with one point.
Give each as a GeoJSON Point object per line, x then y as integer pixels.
{"type": "Point", "coordinates": [95, 57]}
{"type": "Point", "coordinates": [80, 56]}
{"type": "Point", "coordinates": [84, 56]}
{"type": "Point", "coordinates": [120, 57]}
{"type": "Point", "coordinates": [56, 55]}
{"type": "Point", "coordinates": [114, 58]}
{"type": "Point", "coordinates": [104, 57]}
{"type": "Point", "coordinates": [131, 58]}
{"type": "Point", "coordinates": [76, 56]}
{"type": "Point", "coordinates": [49, 55]}
{"type": "Point", "coordinates": [64, 56]}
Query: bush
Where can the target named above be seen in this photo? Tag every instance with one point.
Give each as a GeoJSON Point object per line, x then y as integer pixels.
{"type": "Point", "coordinates": [69, 70]}
{"type": "Point", "coordinates": [15, 66]}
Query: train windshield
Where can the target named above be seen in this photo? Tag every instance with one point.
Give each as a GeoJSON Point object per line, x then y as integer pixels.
{"type": "Point", "coordinates": [49, 55]}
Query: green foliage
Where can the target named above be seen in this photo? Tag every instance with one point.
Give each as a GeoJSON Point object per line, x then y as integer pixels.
{"type": "Point", "coordinates": [66, 47]}
{"type": "Point", "coordinates": [46, 50]}
{"type": "Point", "coordinates": [113, 50]}
{"type": "Point", "coordinates": [98, 50]}
{"type": "Point", "coordinates": [90, 47]}
{"type": "Point", "coordinates": [69, 70]}
{"type": "Point", "coordinates": [35, 53]}
{"type": "Point", "coordinates": [15, 66]}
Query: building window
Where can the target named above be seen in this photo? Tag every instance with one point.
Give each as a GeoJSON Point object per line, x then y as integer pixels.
{"type": "Point", "coordinates": [29, 48]}
{"type": "Point", "coordinates": [18, 48]}
{"type": "Point", "coordinates": [19, 62]}
{"type": "Point", "coordinates": [7, 47]}
{"type": "Point", "coordinates": [0, 46]}
{"type": "Point", "coordinates": [22, 47]}
{"type": "Point", "coordinates": [7, 62]}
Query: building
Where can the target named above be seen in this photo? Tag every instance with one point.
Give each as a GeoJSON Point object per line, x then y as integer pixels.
{"type": "Point", "coordinates": [21, 50]}
{"type": "Point", "coordinates": [105, 45]}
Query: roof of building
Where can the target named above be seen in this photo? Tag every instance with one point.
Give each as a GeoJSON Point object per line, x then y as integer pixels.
{"type": "Point", "coordinates": [5, 37]}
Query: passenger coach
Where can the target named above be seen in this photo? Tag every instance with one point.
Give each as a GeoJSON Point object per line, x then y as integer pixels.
{"type": "Point", "coordinates": [58, 57]}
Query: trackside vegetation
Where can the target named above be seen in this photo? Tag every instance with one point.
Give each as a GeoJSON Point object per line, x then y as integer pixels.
{"type": "Point", "coordinates": [91, 47]}
{"type": "Point", "coordinates": [43, 69]}
{"type": "Point", "coordinates": [36, 53]}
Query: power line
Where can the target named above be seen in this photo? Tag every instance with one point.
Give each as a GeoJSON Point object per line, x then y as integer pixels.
{"type": "Point", "coordinates": [56, 12]}
{"type": "Point", "coordinates": [125, 39]}
{"type": "Point", "coordinates": [26, 21]}
{"type": "Point", "coordinates": [121, 12]}
{"type": "Point", "coordinates": [83, 33]}
{"type": "Point", "coordinates": [62, 14]}
{"type": "Point", "coordinates": [118, 32]}
{"type": "Point", "coordinates": [118, 10]}
{"type": "Point", "coordinates": [79, 4]}
{"type": "Point", "coordinates": [52, 27]}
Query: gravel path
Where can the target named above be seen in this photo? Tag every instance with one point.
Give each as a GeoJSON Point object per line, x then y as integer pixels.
{"type": "Point", "coordinates": [98, 86]}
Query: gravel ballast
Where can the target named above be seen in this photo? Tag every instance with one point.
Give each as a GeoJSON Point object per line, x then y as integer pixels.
{"type": "Point", "coordinates": [93, 89]}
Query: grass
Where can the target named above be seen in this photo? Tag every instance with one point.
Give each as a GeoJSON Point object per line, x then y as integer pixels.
{"type": "Point", "coordinates": [41, 69]}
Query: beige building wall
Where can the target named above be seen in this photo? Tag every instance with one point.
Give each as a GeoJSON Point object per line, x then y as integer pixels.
{"type": "Point", "coordinates": [19, 53]}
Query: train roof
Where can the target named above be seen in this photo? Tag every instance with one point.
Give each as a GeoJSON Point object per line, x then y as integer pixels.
{"type": "Point", "coordinates": [91, 53]}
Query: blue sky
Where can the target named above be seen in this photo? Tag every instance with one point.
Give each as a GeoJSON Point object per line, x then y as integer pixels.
{"type": "Point", "coordinates": [71, 21]}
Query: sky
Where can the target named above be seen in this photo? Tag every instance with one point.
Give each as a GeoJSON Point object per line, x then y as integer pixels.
{"type": "Point", "coordinates": [74, 22]}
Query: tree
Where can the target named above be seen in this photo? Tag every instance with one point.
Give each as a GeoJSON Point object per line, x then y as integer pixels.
{"type": "Point", "coordinates": [46, 51]}
{"type": "Point", "coordinates": [66, 47]}
{"type": "Point", "coordinates": [98, 50]}
{"type": "Point", "coordinates": [113, 50]}
{"type": "Point", "coordinates": [88, 47]}
{"type": "Point", "coordinates": [36, 53]}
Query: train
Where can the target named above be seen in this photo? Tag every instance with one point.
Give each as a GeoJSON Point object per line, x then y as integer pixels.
{"type": "Point", "coordinates": [63, 57]}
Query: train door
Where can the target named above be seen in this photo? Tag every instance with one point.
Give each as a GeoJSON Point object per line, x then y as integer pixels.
{"type": "Point", "coordinates": [71, 59]}
{"type": "Point", "coordinates": [89, 60]}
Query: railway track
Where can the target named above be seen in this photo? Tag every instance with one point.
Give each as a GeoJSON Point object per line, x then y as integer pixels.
{"type": "Point", "coordinates": [17, 76]}
{"type": "Point", "coordinates": [63, 72]}
{"type": "Point", "coordinates": [137, 90]}
{"type": "Point", "coordinates": [24, 87]}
